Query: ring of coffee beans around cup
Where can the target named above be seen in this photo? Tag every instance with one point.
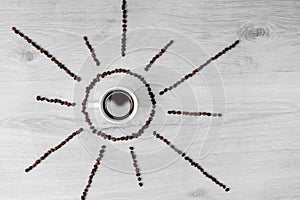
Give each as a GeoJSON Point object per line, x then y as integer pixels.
{"type": "Point", "coordinates": [108, 136]}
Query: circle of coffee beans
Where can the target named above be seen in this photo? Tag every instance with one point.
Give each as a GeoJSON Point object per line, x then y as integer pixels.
{"type": "Point", "coordinates": [108, 136]}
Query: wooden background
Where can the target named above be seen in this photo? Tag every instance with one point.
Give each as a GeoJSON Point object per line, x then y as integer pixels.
{"type": "Point", "coordinates": [258, 153]}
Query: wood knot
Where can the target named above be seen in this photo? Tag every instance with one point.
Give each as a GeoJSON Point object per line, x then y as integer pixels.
{"type": "Point", "coordinates": [24, 54]}
{"type": "Point", "coordinates": [29, 56]}
{"type": "Point", "coordinates": [254, 32]}
{"type": "Point", "coordinates": [199, 193]}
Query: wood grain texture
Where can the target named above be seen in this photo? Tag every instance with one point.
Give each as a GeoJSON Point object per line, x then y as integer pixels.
{"type": "Point", "coordinates": [258, 152]}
